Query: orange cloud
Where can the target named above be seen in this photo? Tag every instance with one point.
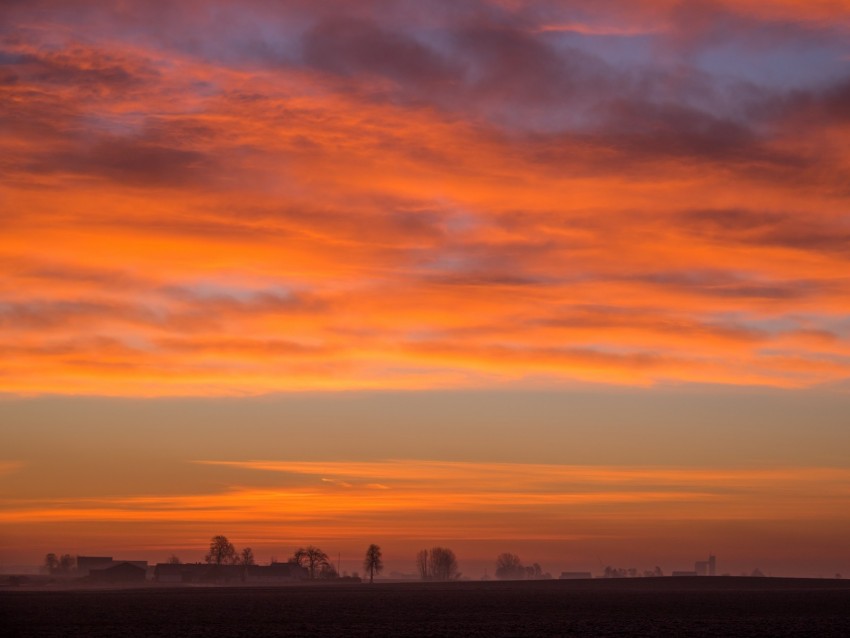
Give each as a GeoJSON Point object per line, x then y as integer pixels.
{"type": "Point", "coordinates": [180, 224]}
{"type": "Point", "coordinates": [411, 490]}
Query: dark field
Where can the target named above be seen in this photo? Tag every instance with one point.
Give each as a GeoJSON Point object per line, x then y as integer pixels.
{"type": "Point", "coordinates": [635, 607]}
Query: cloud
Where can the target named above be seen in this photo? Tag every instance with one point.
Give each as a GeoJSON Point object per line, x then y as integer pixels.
{"type": "Point", "coordinates": [393, 195]}
{"type": "Point", "coordinates": [89, 71]}
{"type": "Point", "coordinates": [353, 47]}
{"type": "Point", "coordinates": [10, 467]}
{"type": "Point", "coordinates": [538, 497]}
{"type": "Point", "coordinates": [133, 162]}
{"type": "Point", "coordinates": [801, 231]}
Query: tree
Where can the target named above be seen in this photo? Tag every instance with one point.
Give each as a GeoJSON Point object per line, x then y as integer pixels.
{"type": "Point", "coordinates": [509, 567]}
{"type": "Point", "coordinates": [328, 572]}
{"type": "Point", "coordinates": [373, 563]}
{"type": "Point", "coordinates": [422, 564]}
{"type": "Point", "coordinates": [312, 558]}
{"type": "Point", "coordinates": [67, 563]}
{"type": "Point", "coordinates": [222, 551]}
{"type": "Point", "coordinates": [247, 557]}
{"type": "Point", "coordinates": [51, 562]}
{"type": "Point", "coordinates": [59, 564]}
{"type": "Point", "coordinates": [442, 564]}
{"type": "Point", "coordinates": [174, 560]}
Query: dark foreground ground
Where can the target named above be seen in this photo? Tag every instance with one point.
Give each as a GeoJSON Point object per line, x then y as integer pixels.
{"type": "Point", "coordinates": [636, 607]}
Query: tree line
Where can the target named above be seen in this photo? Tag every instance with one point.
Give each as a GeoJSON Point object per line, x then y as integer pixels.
{"type": "Point", "coordinates": [437, 563]}
{"type": "Point", "coordinates": [434, 564]}
{"type": "Point", "coordinates": [510, 567]}
{"type": "Point", "coordinates": [314, 560]}
{"type": "Point", "coordinates": [63, 564]}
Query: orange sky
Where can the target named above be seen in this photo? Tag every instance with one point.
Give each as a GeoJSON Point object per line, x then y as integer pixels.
{"type": "Point", "coordinates": [565, 515]}
{"type": "Point", "coordinates": [240, 199]}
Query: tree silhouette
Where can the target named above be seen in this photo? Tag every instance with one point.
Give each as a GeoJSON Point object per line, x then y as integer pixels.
{"type": "Point", "coordinates": [247, 557]}
{"type": "Point", "coordinates": [222, 551]}
{"type": "Point", "coordinates": [51, 562]}
{"type": "Point", "coordinates": [442, 564]}
{"type": "Point", "coordinates": [67, 563]}
{"type": "Point", "coordinates": [535, 572]}
{"type": "Point", "coordinates": [328, 571]}
{"type": "Point", "coordinates": [59, 564]}
{"type": "Point", "coordinates": [312, 558]}
{"type": "Point", "coordinates": [509, 566]}
{"type": "Point", "coordinates": [373, 563]}
{"type": "Point", "coordinates": [422, 564]}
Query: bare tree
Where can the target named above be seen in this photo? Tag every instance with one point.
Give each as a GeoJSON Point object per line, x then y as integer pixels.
{"type": "Point", "coordinates": [373, 563]}
{"type": "Point", "coordinates": [222, 551]}
{"type": "Point", "coordinates": [509, 567]}
{"type": "Point", "coordinates": [312, 558]}
{"type": "Point", "coordinates": [442, 563]}
{"type": "Point", "coordinates": [533, 572]}
{"type": "Point", "coordinates": [422, 564]}
{"type": "Point", "coordinates": [59, 564]}
{"type": "Point", "coordinates": [328, 572]}
{"type": "Point", "coordinates": [67, 563]}
{"type": "Point", "coordinates": [247, 557]}
{"type": "Point", "coordinates": [51, 562]}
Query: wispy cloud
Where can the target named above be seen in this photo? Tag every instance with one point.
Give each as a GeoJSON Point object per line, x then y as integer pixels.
{"type": "Point", "coordinates": [10, 467]}
{"type": "Point", "coordinates": [406, 494]}
{"type": "Point", "coordinates": [597, 29]}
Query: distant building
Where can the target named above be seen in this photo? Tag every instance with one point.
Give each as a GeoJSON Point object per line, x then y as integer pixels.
{"type": "Point", "coordinates": [121, 573]}
{"type": "Point", "coordinates": [701, 568]}
{"type": "Point", "coordinates": [85, 564]}
{"type": "Point", "coordinates": [276, 572]}
{"type": "Point", "coordinates": [168, 573]}
{"type": "Point", "coordinates": [206, 573]}
{"type": "Point", "coordinates": [706, 567]}
{"type": "Point", "coordinates": [575, 575]}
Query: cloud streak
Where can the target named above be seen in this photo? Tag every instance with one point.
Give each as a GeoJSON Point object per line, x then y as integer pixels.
{"type": "Point", "coordinates": [441, 485]}
{"type": "Point", "coordinates": [410, 499]}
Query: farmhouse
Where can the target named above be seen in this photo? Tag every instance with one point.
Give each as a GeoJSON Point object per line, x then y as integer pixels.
{"type": "Point", "coordinates": [275, 573]}
{"type": "Point", "coordinates": [87, 565]}
{"type": "Point", "coordinates": [125, 572]}
{"type": "Point", "coordinates": [205, 573]}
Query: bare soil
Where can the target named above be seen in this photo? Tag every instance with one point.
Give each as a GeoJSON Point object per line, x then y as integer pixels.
{"type": "Point", "coordinates": [630, 607]}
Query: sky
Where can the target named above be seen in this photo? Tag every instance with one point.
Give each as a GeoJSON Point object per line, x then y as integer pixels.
{"type": "Point", "coordinates": [565, 279]}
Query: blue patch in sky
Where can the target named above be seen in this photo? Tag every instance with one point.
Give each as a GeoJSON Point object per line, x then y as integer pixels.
{"type": "Point", "coordinates": [784, 68]}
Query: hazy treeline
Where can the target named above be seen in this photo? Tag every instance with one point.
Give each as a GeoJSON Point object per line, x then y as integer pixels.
{"type": "Point", "coordinates": [510, 567]}
{"type": "Point", "coordinates": [63, 564]}
{"type": "Point", "coordinates": [437, 563]}
{"type": "Point", "coordinates": [434, 564]}
{"type": "Point", "coordinates": [631, 572]}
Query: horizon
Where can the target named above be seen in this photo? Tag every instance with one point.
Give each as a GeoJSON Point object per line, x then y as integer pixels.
{"type": "Point", "coordinates": [391, 569]}
{"type": "Point", "coordinates": [527, 276]}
